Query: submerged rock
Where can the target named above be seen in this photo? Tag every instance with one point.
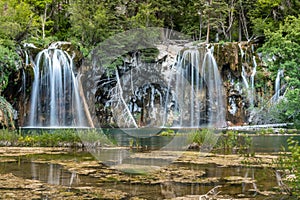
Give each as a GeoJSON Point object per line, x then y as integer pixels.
{"type": "Point", "coordinates": [12, 187]}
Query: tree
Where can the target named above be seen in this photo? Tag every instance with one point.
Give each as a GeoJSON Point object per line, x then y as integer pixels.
{"type": "Point", "coordinates": [146, 17]}
{"type": "Point", "coordinates": [269, 14]}
{"type": "Point", "coordinates": [282, 51]}
{"type": "Point", "coordinates": [52, 17]}
{"type": "Point", "coordinates": [90, 21]}
{"type": "Point", "coordinates": [16, 19]}
{"type": "Point", "coordinates": [216, 12]}
{"type": "Point", "coordinates": [9, 63]}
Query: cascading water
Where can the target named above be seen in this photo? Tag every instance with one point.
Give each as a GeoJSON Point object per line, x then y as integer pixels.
{"type": "Point", "coordinates": [249, 84]}
{"type": "Point", "coordinates": [212, 78]}
{"type": "Point", "coordinates": [252, 81]}
{"type": "Point", "coordinates": [55, 100]}
{"type": "Point", "coordinates": [197, 90]}
{"type": "Point", "coordinates": [277, 86]}
{"type": "Point", "coordinates": [245, 81]}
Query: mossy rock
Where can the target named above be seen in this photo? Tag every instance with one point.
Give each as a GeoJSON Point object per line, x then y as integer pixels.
{"type": "Point", "coordinates": [6, 114]}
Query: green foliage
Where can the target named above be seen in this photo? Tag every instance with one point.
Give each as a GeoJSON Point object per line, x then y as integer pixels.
{"type": "Point", "coordinates": [202, 12]}
{"type": "Point", "coordinates": [57, 138]}
{"type": "Point", "coordinates": [290, 164]}
{"type": "Point", "coordinates": [294, 165]}
{"type": "Point", "coordinates": [41, 42]}
{"type": "Point", "coordinates": [89, 21]}
{"type": "Point", "coordinates": [288, 109]}
{"type": "Point", "coordinates": [232, 142]}
{"type": "Point", "coordinates": [205, 138]}
{"type": "Point", "coordinates": [167, 132]}
{"type": "Point", "coordinates": [265, 16]}
{"type": "Point", "coordinates": [16, 19]}
{"type": "Point", "coordinates": [145, 17]}
{"type": "Point", "coordinates": [269, 14]}
{"type": "Point", "coordinates": [265, 131]}
{"type": "Point", "coordinates": [8, 135]}
{"type": "Point", "coordinates": [9, 62]}
{"type": "Point", "coordinates": [282, 51]}
{"type": "Point", "coordinates": [149, 55]}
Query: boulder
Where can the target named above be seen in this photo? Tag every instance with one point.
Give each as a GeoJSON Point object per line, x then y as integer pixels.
{"type": "Point", "coordinates": [6, 114]}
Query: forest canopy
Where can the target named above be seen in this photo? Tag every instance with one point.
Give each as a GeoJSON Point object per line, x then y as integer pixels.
{"type": "Point", "coordinates": [272, 23]}
{"type": "Point", "coordinates": [90, 22]}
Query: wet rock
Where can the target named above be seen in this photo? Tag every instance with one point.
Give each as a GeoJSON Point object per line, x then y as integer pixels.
{"type": "Point", "coordinates": [12, 187]}
{"type": "Point", "coordinates": [22, 151]}
{"type": "Point", "coordinates": [238, 180]}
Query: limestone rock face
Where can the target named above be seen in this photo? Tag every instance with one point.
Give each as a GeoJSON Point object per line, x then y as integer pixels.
{"type": "Point", "coordinates": [246, 81]}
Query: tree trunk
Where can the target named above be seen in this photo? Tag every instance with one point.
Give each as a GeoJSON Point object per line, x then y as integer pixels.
{"type": "Point", "coordinates": [200, 26]}
{"type": "Point", "coordinates": [240, 29]}
{"type": "Point", "coordinates": [208, 30]}
{"type": "Point", "coordinates": [85, 106]}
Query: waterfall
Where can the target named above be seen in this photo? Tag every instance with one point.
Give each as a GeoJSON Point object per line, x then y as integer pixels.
{"type": "Point", "coordinates": [249, 89]}
{"type": "Point", "coordinates": [252, 81]}
{"type": "Point", "coordinates": [277, 85]}
{"type": "Point", "coordinates": [197, 89]}
{"type": "Point", "coordinates": [213, 80]}
{"type": "Point", "coordinates": [55, 100]}
{"type": "Point", "coordinates": [245, 81]}
{"type": "Point", "coordinates": [241, 50]}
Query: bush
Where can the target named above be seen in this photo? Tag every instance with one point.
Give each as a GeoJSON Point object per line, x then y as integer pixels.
{"type": "Point", "coordinates": [9, 62]}
{"type": "Point", "coordinates": [55, 138]}
{"type": "Point", "coordinates": [205, 138]}
{"type": "Point", "coordinates": [232, 141]}
{"type": "Point", "coordinates": [290, 164]}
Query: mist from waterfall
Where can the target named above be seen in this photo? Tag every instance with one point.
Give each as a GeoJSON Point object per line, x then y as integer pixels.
{"type": "Point", "coordinates": [55, 99]}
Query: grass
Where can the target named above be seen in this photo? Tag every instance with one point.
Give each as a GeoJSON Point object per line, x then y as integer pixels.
{"type": "Point", "coordinates": [56, 138]}
{"type": "Point", "coordinates": [205, 138]}
{"type": "Point", "coordinates": [228, 142]}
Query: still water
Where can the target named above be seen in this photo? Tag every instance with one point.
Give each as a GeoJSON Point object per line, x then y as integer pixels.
{"type": "Point", "coordinates": [41, 167]}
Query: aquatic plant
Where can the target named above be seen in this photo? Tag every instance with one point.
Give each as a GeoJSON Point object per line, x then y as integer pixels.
{"type": "Point", "coordinates": [167, 132]}
{"type": "Point", "coordinates": [204, 138]}
{"type": "Point", "coordinates": [56, 138]}
{"type": "Point", "coordinates": [233, 141]}
{"type": "Point", "coordinates": [8, 135]}
{"type": "Point", "coordinates": [229, 142]}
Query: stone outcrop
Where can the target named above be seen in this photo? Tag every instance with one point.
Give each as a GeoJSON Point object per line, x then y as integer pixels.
{"type": "Point", "coordinates": [232, 59]}
{"type": "Point", "coordinates": [6, 114]}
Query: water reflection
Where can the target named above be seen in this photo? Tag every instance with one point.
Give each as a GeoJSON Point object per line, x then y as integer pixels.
{"type": "Point", "coordinates": [237, 182]}
{"type": "Point", "coordinates": [45, 172]}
